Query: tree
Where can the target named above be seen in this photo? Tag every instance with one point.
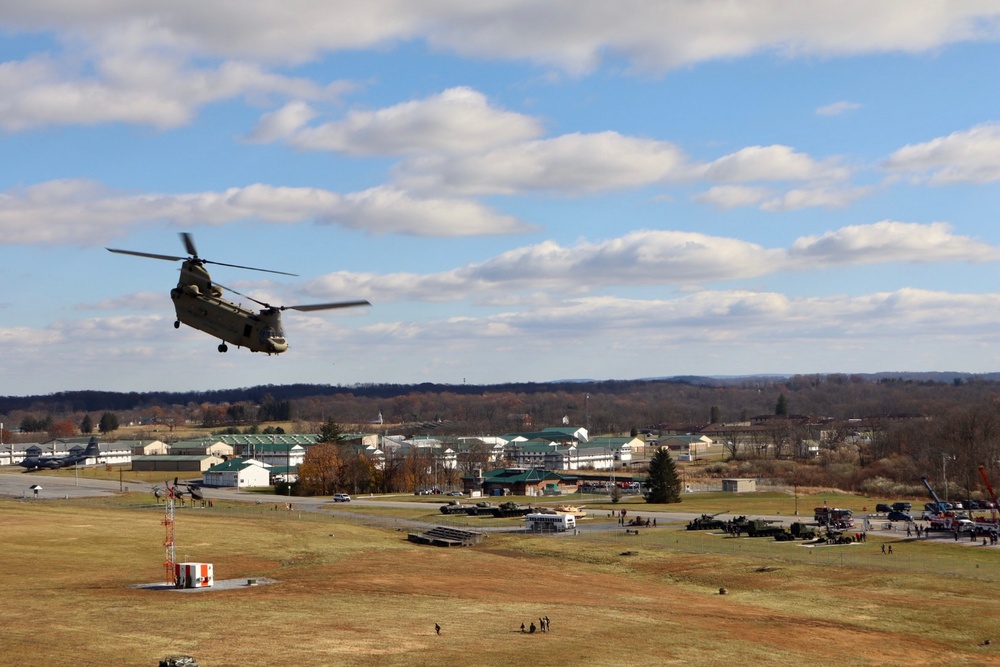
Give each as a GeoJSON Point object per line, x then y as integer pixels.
{"type": "Point", "coordinates": [330, 432]}
{"type": "Point", "coordinates": [713, 415]}
{"type": "Point", "coordinates": [781, 407]}
{"type": "Point", "coordinates": [87, 425]}
{"type": "Point", "coordinates": [62, 429]}
{"type": "Point", "coordinates": [320, 472]}
{"type": "Point", "coordinates": [662, 483]}
{"type": "Point", "coordinates": [108, 423]}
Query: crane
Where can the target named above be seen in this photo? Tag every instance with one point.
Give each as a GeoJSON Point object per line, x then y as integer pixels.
{"type": "Point", "coordinates": [993, 496]}
{"type": "Point", "coordinates": [941, 510]}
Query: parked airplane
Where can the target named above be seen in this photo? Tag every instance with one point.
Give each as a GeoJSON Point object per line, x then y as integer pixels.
{"type": "Point", "coordinates": [54, 462]}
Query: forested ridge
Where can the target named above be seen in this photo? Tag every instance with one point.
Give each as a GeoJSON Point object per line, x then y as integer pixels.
{"type": "Point", "coordinates": [607, 405]}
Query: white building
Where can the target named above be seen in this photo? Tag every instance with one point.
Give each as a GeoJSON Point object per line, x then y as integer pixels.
{"type": "Point", "coordinates": [238, 473]}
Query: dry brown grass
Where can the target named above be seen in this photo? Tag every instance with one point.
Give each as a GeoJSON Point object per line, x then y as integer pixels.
{"type": "Point", "coordinates": [352, 595]}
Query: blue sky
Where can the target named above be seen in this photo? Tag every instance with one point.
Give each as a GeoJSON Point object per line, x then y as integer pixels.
{"type": "Point", "coordinates": [524, 191]}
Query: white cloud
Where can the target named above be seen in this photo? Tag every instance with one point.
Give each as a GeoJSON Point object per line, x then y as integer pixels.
{"type": "Point", "coordinates": [837, 108]}
{"type": "Point", "coordinates": [968, 156]}
{"type": "Point", "coordinates": [569, 163]}
{"type": "Point", "coordinates": [140, 87]}
{"type": "Point", "coordinates": [544, 273]}
{"type": "Point", "coordinates": [280, 124]}
{"type": "Point", "coordinates": [83, 212]}
{"type": "Point", "coordinates": [458, 120]}
{"type": "Point", "coordinates": [386, 210]}
{"type": "Point", "coordinates": [771, 163]}
{"type": "Point", "coordinates": [890, 241]}
{"type": "Point", "coordinates": [575, 35]}
{"type": "Point", "coordinates": [807, 197]}
{"type": "Point", "coordinates": [732, 196]}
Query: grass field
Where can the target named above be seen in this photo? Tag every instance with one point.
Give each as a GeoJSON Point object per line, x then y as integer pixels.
{"type": "Point", "coordinates": [351, 594]}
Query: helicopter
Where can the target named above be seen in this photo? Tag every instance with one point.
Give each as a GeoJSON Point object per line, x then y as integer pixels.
{"type": "Point", "coordinates": [200, 304]}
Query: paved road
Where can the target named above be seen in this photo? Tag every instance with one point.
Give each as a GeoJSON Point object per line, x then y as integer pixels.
{"type": "Point", "coordinates": [19, 485]}
{"type": "Point", "coordinates": [13, 484]}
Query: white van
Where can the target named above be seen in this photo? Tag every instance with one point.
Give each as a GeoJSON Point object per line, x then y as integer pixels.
{"type": "Point", "coordinates": [535, 523]}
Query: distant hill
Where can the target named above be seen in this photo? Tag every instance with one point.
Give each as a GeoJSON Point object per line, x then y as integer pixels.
{"type": "Point", "coordinates": [97, 401]}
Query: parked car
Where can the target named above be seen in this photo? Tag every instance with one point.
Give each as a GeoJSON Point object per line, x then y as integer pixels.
{"type": "Point", "coordinates": [899, 516]}
{"type": "Point", "coordinates": [341, 498]}
{"type": "Point", "coordinates": [456, 494]}
{"type": "Point", "coordinates": [882, 507]}
{"type": "Point", "coordinates": [902, 507]}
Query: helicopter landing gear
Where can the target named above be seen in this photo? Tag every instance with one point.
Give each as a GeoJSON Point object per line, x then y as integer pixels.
{"type": "Point", "coordinates": [177, 324]}
{"type": "Point", "coordinates": [223, 347]}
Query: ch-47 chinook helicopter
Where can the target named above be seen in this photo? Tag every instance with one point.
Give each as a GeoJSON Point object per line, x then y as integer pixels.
{"type": "Point", "coordinates": [199, 304]}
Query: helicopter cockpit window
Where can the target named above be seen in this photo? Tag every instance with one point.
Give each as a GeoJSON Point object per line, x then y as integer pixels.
{"type": "Point", "coordinates": [270, 332]}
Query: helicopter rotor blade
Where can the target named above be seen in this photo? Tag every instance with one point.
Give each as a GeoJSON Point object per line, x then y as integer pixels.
{"type": "Point", "coordinates": [249, 268]}
{"type": "Point", "coordinates": [328, 306]}
{"type": "Point", "coordinates": [245, 296]}
{"type": "Point", "coordinates": [170, 258]}
{"type": "Point", "coordinates": [189, 244]}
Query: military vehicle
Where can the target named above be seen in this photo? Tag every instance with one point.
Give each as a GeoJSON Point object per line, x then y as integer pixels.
{"type": "Point", "coordinates": [199, 303]}
{"type": "Point", "coordinates": [837, 537]}
{"type": "Point", "coordinates": [480, 509]}
{"type": "Point", "coordinates": [455, 507]}
{"type": "Point", "coordinates": [763, 528]}
{"type": "Point", "coordinates": [509, 509]}
{"type": "Point", "coordinates": [707, 522]}
{"type": "Point", "coordinates": [32, 463]}
{"type": "Point", "coordinates": [797, 531]}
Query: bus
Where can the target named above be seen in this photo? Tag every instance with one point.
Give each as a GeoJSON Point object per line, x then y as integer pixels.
{"type": "Point", "coordinates": [534, 523]}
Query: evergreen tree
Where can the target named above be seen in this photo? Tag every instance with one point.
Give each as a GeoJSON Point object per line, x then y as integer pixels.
{"type": "Point", "coordinates": [108, 423]}
{"type": "Point", "coordinates": [781, 407]}
{"type": "Point", "coordinates": [87, 425]}
{"type": "Point", "coordinates": [662, 483]}
{"type": "Point", "coordinates": [330, 432]}
{"type": "Point", "coordinates": [713, 415]}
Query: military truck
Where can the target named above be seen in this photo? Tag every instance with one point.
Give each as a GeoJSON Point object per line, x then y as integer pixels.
{"type": "Point", "coordinates": [763, 528]}
{"type": "Point", "coordinates": [707, 522]}
{"type": "Point", "coordinates": [797, 531]}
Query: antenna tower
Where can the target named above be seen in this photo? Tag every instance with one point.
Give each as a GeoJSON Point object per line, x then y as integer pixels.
{"type": "Point", "coordinates": [168, 542]}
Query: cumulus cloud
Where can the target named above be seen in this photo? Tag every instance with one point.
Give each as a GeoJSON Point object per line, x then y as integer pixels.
{"type": "Point", "coordinates": [771, 163]}
{"type": "Point", "coordinates": [458, 120]}
{"type": "Point", "coordinates": [806, 197]}
{"type": "Point", "coordinates": [891, 241]}
{"type": "Point", "coordinates": [548, 271]}
{"type": "Point", "coordinates": [77, 211]}
{"type": "Point", "coordinates": [575, 35]}
{"type": "Point", "coordinates": [139, 87]}
{"type": "Point", "coordinates": [968, 156]}
{"type": "Point", "coordinates": [568, 163]}
{"type": "Point", "coordinates": [732, 196]}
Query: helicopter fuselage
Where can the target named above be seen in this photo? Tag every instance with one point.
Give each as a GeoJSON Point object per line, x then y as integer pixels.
{"type": "Point", "coordinates": [200, 305]}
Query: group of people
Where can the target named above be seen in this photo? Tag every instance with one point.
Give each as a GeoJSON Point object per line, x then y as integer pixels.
{"type": "Point", "coordinates": [543, 625]}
